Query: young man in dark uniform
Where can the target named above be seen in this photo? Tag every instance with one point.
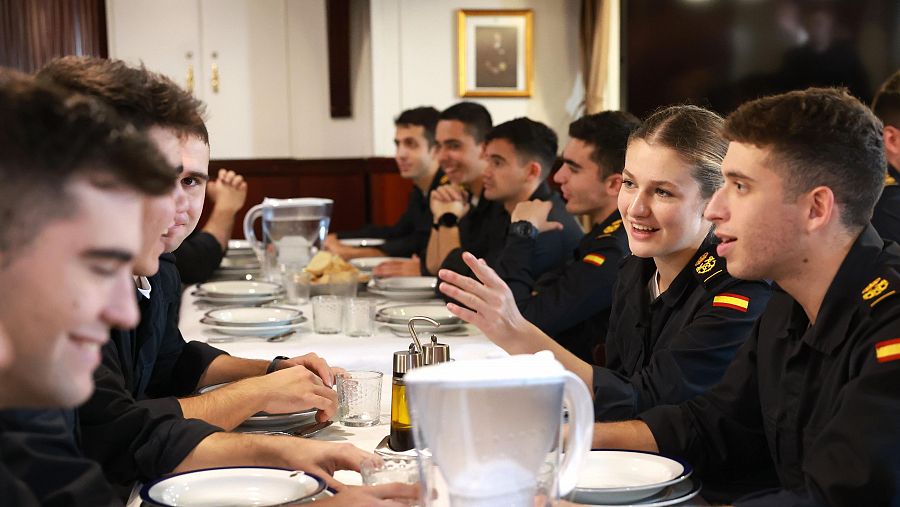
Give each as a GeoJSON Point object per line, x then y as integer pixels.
{"type": "Point", "coordinates": [813, 394]}
{"type": "Point", "coordinates": [416, 158]}
{"type": "Point", "coordinates": [521, 154]}
{"type": "Point", "coordinates": [461, 213]}
{"type": "Point", "coordinates": [74, 178]}
{"type": "Point", "coordinates": [572, 303]}
{"type": "Point", "coordinates": [886, 106]}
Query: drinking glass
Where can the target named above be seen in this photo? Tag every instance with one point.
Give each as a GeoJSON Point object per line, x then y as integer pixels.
{"type": "Point", "coordinates": [359, 397]}
{"type": "Point", "coordinates": [327, 314]}
{"type": "Point", "coordinates": [359, 317]}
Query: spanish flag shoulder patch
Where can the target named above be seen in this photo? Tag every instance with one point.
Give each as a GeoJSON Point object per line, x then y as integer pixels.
{"type": "Point", "coordinates": [733, 301]}
{"type": "Point", "coordinates": [888, 350]}
{"type": "Point", "coordinates": [595, 259]}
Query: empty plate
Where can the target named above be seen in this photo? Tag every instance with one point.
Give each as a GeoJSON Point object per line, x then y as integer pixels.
{"type": "Point", "coordinates": [254, 315]}
{"type": "Point", "coordinates": [400, 314]}
{"type": "Point", "coordinates": [403, 283]}
{"type": "Point", "coordinates": [362, 242]}
{"type": "Point", "coordinates": [238, 288]}
{"type": "Point", "coordinates": [369, 263]}
{"type": "Point", "coordinates": [260, 331]}
{"type": "Point", "coordinates": [618, 477]}
{"type": "Point", "coordinates": [233, 486]}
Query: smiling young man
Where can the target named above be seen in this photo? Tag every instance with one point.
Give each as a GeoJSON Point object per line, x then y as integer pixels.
{"type": "Point", "coordinates": [73, 181]}
{"type": "Point", "coordinates": [463, 216]}
{"type": "Point", "coordinates": [812, 396]}
{"type": "Point", "coordinates": [416, 157]}
{"type": "Point", "coordinates": [572, 303]}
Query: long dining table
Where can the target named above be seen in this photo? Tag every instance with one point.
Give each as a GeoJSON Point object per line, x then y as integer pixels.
{"type": "Point", "coordinates": [373, 353]}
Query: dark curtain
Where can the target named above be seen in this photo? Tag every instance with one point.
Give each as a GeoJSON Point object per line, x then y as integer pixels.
{"type": "Point", "coordinates": [33, 32]}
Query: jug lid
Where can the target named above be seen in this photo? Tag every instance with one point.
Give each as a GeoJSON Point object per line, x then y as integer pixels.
{"type": "Point", "coordinates": [296, 201]}
{"type": "Point", "coordinates": [539, 368]}
{"type": "Point", "coordinates": [407, 360]}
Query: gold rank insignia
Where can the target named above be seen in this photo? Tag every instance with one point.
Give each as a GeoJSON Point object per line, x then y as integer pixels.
{"type": "Point", "coordinates": [444, 180]}
{"type": "Point", "coordinates": [888, 350]}
{"type": "Point", "coordinates": [875, 291]}
{"type": "Point", "coordinates": [611, 228]}
{"type": "Point", "coordinates": [889, 181]}
{"type": "Point", "coordinates": [705, 263]}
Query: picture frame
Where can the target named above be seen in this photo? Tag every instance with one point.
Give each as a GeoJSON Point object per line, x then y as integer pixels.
{"type": "Point", "coordinates": [494, 53]}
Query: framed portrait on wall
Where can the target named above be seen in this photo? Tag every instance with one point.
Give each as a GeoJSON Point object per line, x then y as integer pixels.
{"type": "Point", "coordinates": [494, 50]}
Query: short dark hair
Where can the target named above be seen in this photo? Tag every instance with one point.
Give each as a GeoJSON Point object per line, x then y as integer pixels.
{"type": "Point", "coordinates": [53, 137]}
{"type": "Point", "coordinates": [886, 104]}
{"type": "Point", "coordinates": [145, 98]}
{"type": "Point", "coordinates": [425, 117]}
{"type": "Point", "coordinates": [607, 132]}
{"type": "Point", "coordinates": [696, 135]}
{"type": "Point", "coordinates": [532, 140]}
{"type": "Point", "coordinates": [475, 117]}
{"type": "Point", "coordinates": [818, 137]}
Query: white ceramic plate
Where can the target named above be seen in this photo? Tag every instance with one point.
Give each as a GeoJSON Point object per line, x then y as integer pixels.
{"type": "Point", "coordinates": [422, 328]}
{"type": "Point", "coordinates": [618, 477]}
{"type": "Point", "coordinates": [233, 486]}
{"type": "Point", "coordinates": [402, 283]}
{"type": "Point", "coordinates": [675, 494]}
{"type": "Point", "coordinates": [400, 314]}
{"type": "Point", "coordinates": [362, 242]}
{"type": "Point", "coordinates": [261, 331]}
{"type": "Point", "coordinates": [402, 295]}
{"type": "Point", "coordinates": [239, 262]}
{"type": "Point", "coordinates": [254, 315]}
{"type": "Point", "coordinates": [239, 288]}
{"type": "Point", "coordinates": [369, 263]}
{"type": "Point", "coordinates": [255, 300]}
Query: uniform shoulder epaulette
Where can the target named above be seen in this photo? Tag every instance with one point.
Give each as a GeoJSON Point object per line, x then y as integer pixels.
{"type": "Point", "coordinates": [610, 229]}
{"type": "Point", "coordinates": [881, 290]}
{"type": "Point", "coordinates": [709, 269]}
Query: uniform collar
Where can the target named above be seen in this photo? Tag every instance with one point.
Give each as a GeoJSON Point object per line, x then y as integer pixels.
{"type": "Point", "coordinates": [703, 264]}
{"type": "Point", "coordinates": [893, 175]}
{"type": "Point", "coordinates": [843, 299]}
{"type": "Point", "coordinates": [542, 192]}
{"type": "Point", "coordinates": [613, 217]}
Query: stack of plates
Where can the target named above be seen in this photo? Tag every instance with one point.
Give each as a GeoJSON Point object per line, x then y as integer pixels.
{"type": "Point", "coordinates": [253, 320]}
{"type": "Point", "coordinates": [614, 477]}
{"type": "Point", "coordinates": [397, 317]}
{"type": "Point", "coordinates": [362, 242]}
{"type": "Point", "coordinates": [404, 287]}
{"type": "Point", "coordinates": [238, 292]}
{"type": "Point", "coordinates": [235, 486]}
{"type": "Point", "coordinates": [239, 261]}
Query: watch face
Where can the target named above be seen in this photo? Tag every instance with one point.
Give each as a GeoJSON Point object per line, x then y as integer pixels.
{"type": "Point", "coordinates": [524, 228]}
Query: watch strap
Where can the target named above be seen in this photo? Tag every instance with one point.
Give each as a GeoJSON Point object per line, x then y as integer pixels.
{"type": "Point", "coordinates": [274, 363]}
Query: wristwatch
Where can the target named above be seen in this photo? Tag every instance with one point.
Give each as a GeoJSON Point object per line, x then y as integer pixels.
{"type": "Point", "coordinates": [446, 220]}
{"type": "Point", "coordinates": [274, 363]}
{"type": "Point", "coordinates": [523, 229]}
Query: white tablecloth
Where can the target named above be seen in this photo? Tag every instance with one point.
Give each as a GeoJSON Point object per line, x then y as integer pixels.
{"type": "Point", "coordinates": [366, 353]}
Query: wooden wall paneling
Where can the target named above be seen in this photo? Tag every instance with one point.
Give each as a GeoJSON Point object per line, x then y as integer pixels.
{"type": "Point", "coordinates": [338, 21]}
{"type": "Point", "coordinates": [389, 192]}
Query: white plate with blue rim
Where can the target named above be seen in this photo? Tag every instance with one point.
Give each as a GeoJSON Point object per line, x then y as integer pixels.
{"type": "Point", "coordinates": [240, 315]}
{"type": "Point", "coordinates": [619, 477]}
{"type": "Point", "coordinates": [361, 242]}
{"type": "Point", "coordinates": [233, 486]}
{"type": "Point", "coordinates": [266, 420]}
{"type": "Point", "coordinates": [260, 331]}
